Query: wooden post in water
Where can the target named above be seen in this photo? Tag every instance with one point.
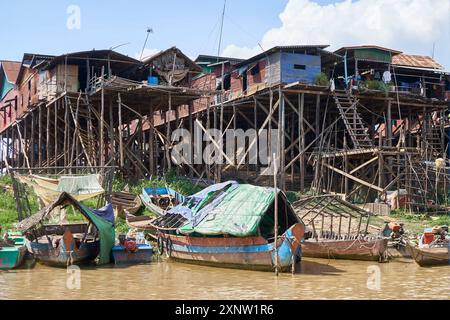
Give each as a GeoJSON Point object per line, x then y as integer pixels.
{"type": "Point", "coordinates": [275, 212]}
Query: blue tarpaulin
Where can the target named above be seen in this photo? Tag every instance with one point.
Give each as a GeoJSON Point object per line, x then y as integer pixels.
{"type": "Point", "coordinates": [106, 213]}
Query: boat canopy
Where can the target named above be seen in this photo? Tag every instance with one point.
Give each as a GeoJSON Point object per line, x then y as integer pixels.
{"type": "Point", "coordinates": [102, 219]}
{"type": "Point", "coordinates": [238, 210]}
{"type": "Point", "coordinates": [79, 187]}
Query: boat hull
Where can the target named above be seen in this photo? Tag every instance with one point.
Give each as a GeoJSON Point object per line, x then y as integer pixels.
{"type": "Point", "coordinates": [11, 257]}
{"type": "Point", "coordinates": [254, 253]}
{"type": "Point", "coordinates": [346, 249]}
{"type": "Point", "coordinates": [150, 193]}
{"type": "Point", "coordinates": [62, 257]}
{"type": "Point", "coordinates": [427, 257]}
{"type": "Point", "coordinates": [123, 257]}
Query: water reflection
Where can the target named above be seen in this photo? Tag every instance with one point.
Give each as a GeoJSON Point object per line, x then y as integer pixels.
{"type": "Point", "coordinates": [317, 279]}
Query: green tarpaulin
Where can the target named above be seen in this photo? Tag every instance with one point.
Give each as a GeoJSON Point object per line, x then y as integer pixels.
{"type": "Point", "coordinates": [237, 214]}
{"type": "Point", "coordinates": [106, 232]}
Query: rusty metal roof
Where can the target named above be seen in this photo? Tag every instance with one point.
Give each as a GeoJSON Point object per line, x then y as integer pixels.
{"type": "Point", "coordinates": [409, 60]}
{"type": "Point", "coordinates": [11, 69]}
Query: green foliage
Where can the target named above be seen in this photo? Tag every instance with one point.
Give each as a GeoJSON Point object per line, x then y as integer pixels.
{"type": "Point", "coordinates": [170, 180]}
{"type": "Point", "coordinates": [375, 85]}
{"type": "Point", "coordinates": [121, 226]}
{"type": "Point", "coordinates": [8, 209]}
{"type": "Point", "coordinates": [292, 196]}
{"type": "Point", "coordinates": [416, 222]}
{"type": "Point", "coordinates": [321, 79]}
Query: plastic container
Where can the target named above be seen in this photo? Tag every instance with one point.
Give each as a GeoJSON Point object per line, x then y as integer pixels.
{"type": "Point", "coordinates": [153, 81]}
{"type": "Point", "coordinates": [428, 237]}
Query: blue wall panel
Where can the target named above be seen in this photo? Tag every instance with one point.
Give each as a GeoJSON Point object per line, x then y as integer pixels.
{"type": "Point", "coordinates": [290, 74]}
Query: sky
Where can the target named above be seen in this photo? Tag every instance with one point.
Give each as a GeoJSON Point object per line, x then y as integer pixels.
{"type": "Point", "coordinates": [58, 27]}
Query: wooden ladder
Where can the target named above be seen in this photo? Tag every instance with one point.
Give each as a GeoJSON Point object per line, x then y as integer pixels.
{"type": "Point", "coordinates": [347, 106]}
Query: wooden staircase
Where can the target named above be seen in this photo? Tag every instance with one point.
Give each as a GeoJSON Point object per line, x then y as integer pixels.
{"type": "Point", "coordinates": [357, 130]}
{"type": "Point", "coordinates": [432, 137]}
{"type": "Point", "coordinates": [83, 120]}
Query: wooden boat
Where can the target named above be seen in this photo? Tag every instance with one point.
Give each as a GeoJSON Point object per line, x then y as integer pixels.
{"type": "Point", "coordinates": [335, 230]}
{"type": "Point", "coordinates": [159, 200]}
{"type": "Point", "coordinates": [255, 253]}
{"type": "Point", "coordinates": [232, 226]}
{"type": "Point", "coordinates": [142, 254]}
{"type": "Point", "coordinates": [398, 248]}
{"type": "Point", "coordinates": [432, 256]}
{"type": "Point", "coordinates": [142, 223]}
{"type": "Point", "coordinates": [12, 251]}
{"type": "Point", "coordinates": [433, 247]}
{"type": "Point", "coordinates": [351, 249]}
{"type": "Point", "coordinates": [66, 244]}
{"type": "Point", "coordinates": [122, 201]}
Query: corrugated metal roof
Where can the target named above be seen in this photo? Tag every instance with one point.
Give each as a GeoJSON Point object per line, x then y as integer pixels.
{"type": "Point", "coordinates": [283, 48]}
{"type": "Point", "coordinates": [409, 60]}
{"type": "Point", "coordinates": [12, 69]}
{"type": "Point", "coordinates": [212, 59]}
{"type": "Point", "coordinates": [179, 53]}
{"type": "Point", "coordinates": [368, 46]}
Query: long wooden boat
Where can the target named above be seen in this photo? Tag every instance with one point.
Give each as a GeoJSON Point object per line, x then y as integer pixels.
{"type": "Point", "coordinates": [433, 256]}
{"type": "Point", "coordinates": [64, 245]}
{"type": "Point", "coordinates": [12, 251]}
{"type": "Point", "coordinates": [125, 201]}
{"type": "Point", "coordinates": [255, 253]}
{"type": "Point", "coordinates": [159, 200]}
{"type": "Point", "coordinates": [355, 249]}
{"type": "Point", "coordinates": [142, 223]}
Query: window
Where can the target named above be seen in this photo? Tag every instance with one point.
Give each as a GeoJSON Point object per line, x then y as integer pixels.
{"type": "Point", "coordinates": [255, 70]}
{"type": "Point", "coordinates": [299, 67]}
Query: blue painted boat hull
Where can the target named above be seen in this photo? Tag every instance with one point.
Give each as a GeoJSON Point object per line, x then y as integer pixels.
{"type": "Point", "coordinates": [61, 257]}
{"type": "Point", "coordinates": [244, 253]}
{"type": "Point", "coordinates": [123, 257]}
{"type": "Point", "coordinates": [11, 257]}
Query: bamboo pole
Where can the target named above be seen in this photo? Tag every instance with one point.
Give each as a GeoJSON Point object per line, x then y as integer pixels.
{"type": "Point", "coordinates": [111, 133]}
{"type": "Point", "coordinates": [102, 118]}
{"type": "Point", "coordinates": [275, 185]}
{"type": "Point", "coordinates": [55, 124]}
{"type": "Point", "coordinates": [47, 138]}
{"type": "Point", "coordinates": [40, 137]}
{"type": "Point", "coordinates": [302, 141]}
{"type": "Point", "coordinates": [119, 100]}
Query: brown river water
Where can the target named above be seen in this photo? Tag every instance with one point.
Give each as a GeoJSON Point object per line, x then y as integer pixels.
{"type": "Point", "coordinates": [317, 279]}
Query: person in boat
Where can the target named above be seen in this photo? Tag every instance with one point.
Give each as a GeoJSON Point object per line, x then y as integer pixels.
{"type": "Point", "coordinates": [386, 232]}
{"type": "Point", "coordinates": [6, 241]}
{"type": "Point", "coordinates": [393, 230]}
{"type": "Point", "coordinates": [398, 231]}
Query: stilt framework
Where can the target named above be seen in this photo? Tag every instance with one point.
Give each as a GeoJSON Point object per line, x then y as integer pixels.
{"type": "Point", "coordinates": [362, 145]}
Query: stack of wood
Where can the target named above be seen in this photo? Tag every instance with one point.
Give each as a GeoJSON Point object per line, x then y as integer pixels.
{"type": "Point", "coordinates": [122, 201]}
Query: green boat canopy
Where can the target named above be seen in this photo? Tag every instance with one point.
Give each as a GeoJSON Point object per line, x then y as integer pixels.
{"type": "Point", "coordinates": [238, 213]}
{"type": "Point", "coordinates": [105, 228]}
